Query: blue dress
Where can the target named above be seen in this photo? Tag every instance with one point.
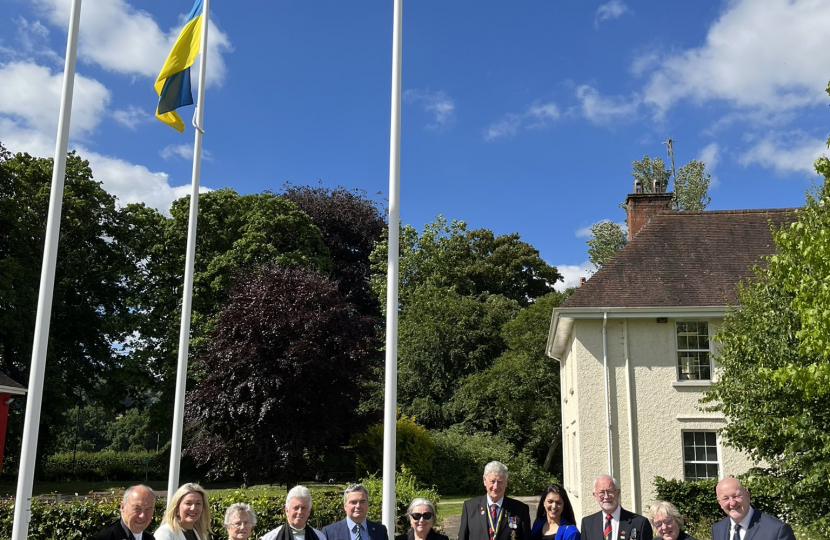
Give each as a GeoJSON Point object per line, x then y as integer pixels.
{"type": "Point", "coordinates": [566, 531]}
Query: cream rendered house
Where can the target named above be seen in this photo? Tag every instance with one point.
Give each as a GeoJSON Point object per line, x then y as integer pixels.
{"type": "Point", "coordinates": [635, 348]}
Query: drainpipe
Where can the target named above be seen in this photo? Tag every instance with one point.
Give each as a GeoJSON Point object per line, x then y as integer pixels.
{"type": "Point", "coordinates": [629, 381]}
{"type": "Point", "coordinates": [607, 391]}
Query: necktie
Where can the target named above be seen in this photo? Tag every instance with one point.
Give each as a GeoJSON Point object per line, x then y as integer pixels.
{"type": "Point", "coordinates": [494, 511]}
{"type": "Point", "coordinates": [356, 531]}
{"type": "Point", "coordinates": [737, 534]}
{"type": "Point", "coordinates": [606, 532]}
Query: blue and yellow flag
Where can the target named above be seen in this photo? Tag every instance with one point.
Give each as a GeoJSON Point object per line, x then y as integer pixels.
{"type": "Point", "coordinates": [173, 83]}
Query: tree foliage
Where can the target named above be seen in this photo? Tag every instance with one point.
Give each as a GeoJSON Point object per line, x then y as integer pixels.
{"type": "Point", "coordinates": [282, 374]}
{"type": "Point", "coordinates": [775, 385]}
{"type": "Point", "coordinates": [607, 238]}
{"type": "Point", "coordinates": [653, 174]}
{"type": "Point", "coordinates": [691, 187]}
{"type": "Point", "coordinates": [518, 396]}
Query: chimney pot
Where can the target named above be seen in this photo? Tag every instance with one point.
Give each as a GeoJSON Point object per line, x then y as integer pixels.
{"type": "Point", "coordinates": [582, 281]}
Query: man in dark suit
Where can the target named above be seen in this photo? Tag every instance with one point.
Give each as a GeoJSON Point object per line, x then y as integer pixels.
{"type": "Point", "coordinates": [136, 514]}
{"type": "Point", "coordinates": [745, 522]}
{"type": "Point", "coordinates": [494, 516]}
{"type": "Point", "coordinates": [355, 526]}
{"type": "Point", "coordinates": [613, 522]}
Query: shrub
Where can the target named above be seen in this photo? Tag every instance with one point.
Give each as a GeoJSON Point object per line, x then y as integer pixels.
{"type": "Point", "coordinates": [407, 488]}
{"type": "Point", "coordinates": [105, 466]}
{"type": "Point", "coordinates": [460, 459]}
{"type": "Point", "coordinates": [415, 448]}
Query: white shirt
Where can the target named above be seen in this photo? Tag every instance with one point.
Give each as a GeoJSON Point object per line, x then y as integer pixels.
{"type": "Point", "coordinates": [615, 522]}
{"type": "Point", "coordinates": [744, 524]}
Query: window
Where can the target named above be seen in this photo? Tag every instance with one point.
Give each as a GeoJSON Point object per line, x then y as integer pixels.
{"type": "Point", "coordinates": [693, 357]}
{"type": "Point", "coordinates": [700, 455]}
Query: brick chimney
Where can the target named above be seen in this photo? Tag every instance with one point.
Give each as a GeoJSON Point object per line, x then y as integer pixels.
{"type": "Point", "coordinates": [641, 207]}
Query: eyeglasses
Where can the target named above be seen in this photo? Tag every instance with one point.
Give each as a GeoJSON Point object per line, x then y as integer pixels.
{"type": "Point", "coordinates": [606, 492]}
{"type": "Point", "coordinates": [240, 524]}
{"type": "Point", "coordinates": [666, 522]}
{"type": "Point", "coordinates": [426, 515]}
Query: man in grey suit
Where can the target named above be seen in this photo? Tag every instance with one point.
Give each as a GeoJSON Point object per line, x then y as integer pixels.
{"type": "Point", "coordinates": [745, 522]}
{"type": "Point", "coordinates": [355, 526]}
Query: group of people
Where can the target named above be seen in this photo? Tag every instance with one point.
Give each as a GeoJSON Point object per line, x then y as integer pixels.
{"type": "Point", "coordinates": [492, 516]}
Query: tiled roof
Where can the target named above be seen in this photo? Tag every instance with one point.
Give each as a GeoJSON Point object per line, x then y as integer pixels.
{"type": "Point", "coordinates": [684, 259]}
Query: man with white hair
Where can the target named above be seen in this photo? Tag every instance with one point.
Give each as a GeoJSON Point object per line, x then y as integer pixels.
{"type": "Point", "coordinates": [137, 508]}
{"type": "Point", "coordinates": [297, 510]}
{"type": "Point", "coordinates": [613, 522]}
{"type": "Point", "coordinates": [494, 516]}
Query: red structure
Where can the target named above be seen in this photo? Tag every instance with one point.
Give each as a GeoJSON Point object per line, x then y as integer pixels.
{"type": "Point", "coordinates": [8, 389]}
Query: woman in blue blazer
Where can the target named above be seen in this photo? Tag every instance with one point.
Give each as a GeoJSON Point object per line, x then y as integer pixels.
{"type": "Point", "coordinates": [554, 516]}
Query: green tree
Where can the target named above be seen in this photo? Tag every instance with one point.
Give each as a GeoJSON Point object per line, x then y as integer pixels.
{"type": "Point", "coordinates": [774, 388]}
{"type": "Point", "coordinates": [518, 396]}
{"type": "Point", "coordinates": [607, 238]}
{"type": "Point", "coordinates": [90, 304]}
{"type": "Point", "coordinates": [443, 337]}
{"type": "Point", "coordinates": [282, 376]}
{"type": "Point", "coordinates": [691, 187]}
{"type": "Point", "coordinates": [653, 174]}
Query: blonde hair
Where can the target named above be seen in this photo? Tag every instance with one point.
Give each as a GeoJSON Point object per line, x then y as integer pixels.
{"type": "Point", "coordinates": [667, 510]}
{"type": "Point", "coordinates": [171, 516]}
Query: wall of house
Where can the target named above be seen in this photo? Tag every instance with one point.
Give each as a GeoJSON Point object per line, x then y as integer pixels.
{"type": "Point", "coordinates": [647, 439]}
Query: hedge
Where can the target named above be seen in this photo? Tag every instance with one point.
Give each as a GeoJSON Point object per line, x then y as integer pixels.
{"type": "Point", "coordinates": [79, 519]}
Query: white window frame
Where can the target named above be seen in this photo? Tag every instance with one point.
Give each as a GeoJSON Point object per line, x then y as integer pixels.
{"type": "Point", "coordinates": [717, 460]}
{"type": "Point", "coordinates": [691, 373]}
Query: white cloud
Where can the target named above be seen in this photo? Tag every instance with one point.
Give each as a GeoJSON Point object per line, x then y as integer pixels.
{"type": "Point", "coordinates": [760, 54]}
{"type": "Point", "coordinates": [182, 151]}
{"type": "Point", "coordinates": [537, 115]}
{"type": "Point", "coordinates": [131, 116]}
{"type": "Point", "coordinates": [506, 127]}
{"type": "Point", "coordinates": [572, 273]}
{"type": "Point", "coordinates": [610, 10]}
{"type": "Point", "coordinates": [785, 152]}
{"type": "Point", "coordinates": [123, 39]}
{"type": "Point", "coordinates": [710, 155]}
{"type": "Point", "coordinates": [438, 104]}
{"type": "Point", "coordinates": [30, 95]}
{"type": "Point", "coordinates": [606, 110]}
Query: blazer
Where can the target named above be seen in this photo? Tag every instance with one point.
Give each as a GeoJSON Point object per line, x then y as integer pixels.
{"type": "Point", "coordinates": [761, 527]}
{"type": "Point", "coordinates": [166, 533]}
{"type": "Point", "coordinates": [592, 525]}
{"type": "Point", "coordinates": [566, 531]}
{"type": "Point", "coordinates": [475, 522]}
{"type": "Point", "coordinates": [409, 535]}
{"type": "Point", "coordinates": [339, 530]}
{"type": "Point", "coordinates": [115, 531]}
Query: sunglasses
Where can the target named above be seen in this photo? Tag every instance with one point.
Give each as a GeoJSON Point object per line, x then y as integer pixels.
{"type": "Point", "coordinates": [426, 515]}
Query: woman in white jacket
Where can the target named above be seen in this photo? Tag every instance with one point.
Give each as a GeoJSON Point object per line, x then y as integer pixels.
{"type": "Point", "coordinates": [187, 516]}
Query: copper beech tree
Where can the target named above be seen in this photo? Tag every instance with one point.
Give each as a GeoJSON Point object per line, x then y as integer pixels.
{"type": "Point", "coordinates": [281, 376]}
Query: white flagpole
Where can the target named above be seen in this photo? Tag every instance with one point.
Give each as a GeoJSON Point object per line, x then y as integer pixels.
{"type": "Point", "coordinates": [28, 449]}
{"type": "Point", "coordinates": [190, 257]}
{"type": "Point", "coordinates": [391, 394]}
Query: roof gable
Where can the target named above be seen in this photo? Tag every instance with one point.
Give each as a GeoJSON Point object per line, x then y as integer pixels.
{"type": "Point", "coordinates": [684, 259]}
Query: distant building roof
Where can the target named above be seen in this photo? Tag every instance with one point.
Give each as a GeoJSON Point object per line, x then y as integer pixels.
{"type": "Point", "coordinates": [10, 386]}
{"type": "Point", "coordinates": [684, 259]}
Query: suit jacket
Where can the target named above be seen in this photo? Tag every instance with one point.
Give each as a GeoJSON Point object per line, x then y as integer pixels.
{"type": "Point", "coordinates": [761, 527]}
{"type": "Point", "coordinates": [592, 526]}
{"type": "Point", "coordinates": [340, 531]}
{"type": "Point", "coordinates": [115, 531]}
{"type": "Point", "coordinates": [515, 517]}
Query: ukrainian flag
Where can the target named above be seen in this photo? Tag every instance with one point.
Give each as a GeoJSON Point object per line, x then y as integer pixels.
{"type": "Point", "coordinates": [173, 83]}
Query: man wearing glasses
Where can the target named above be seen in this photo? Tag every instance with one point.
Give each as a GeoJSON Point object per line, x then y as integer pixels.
{"type": "Point", "coordinates": [297, 510]}
{"type": "Point", "coordinates": [613, 522]}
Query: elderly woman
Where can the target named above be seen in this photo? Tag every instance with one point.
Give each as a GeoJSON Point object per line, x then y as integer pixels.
{"type": "Point", "coordinates": [240, 520]}
{"type": "Point", "coordinates": [667, 522]}
{"type": "Point", "coordinates": [187, 516]}
{"type": "Point", "coordinates": [297, 510]}
{"type": "Point", "coordinates": [554, 516]}
{"type": "Point", "coordinates": [422, 516]}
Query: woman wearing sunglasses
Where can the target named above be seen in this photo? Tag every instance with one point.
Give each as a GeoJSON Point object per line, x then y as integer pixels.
{"type": "Point", "coordinates": [421, 514]}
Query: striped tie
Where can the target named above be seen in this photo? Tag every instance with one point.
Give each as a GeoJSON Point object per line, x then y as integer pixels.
{"type": "Point", "coordinates": [494, 512]}
{"type": "Point", "coordinates": [356, 531]}
{"type": "Point", "coordinates": [606, 533]}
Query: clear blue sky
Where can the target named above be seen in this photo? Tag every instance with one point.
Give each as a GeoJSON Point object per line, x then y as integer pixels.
{"type": "Point", "coordinates": [517, 116]}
